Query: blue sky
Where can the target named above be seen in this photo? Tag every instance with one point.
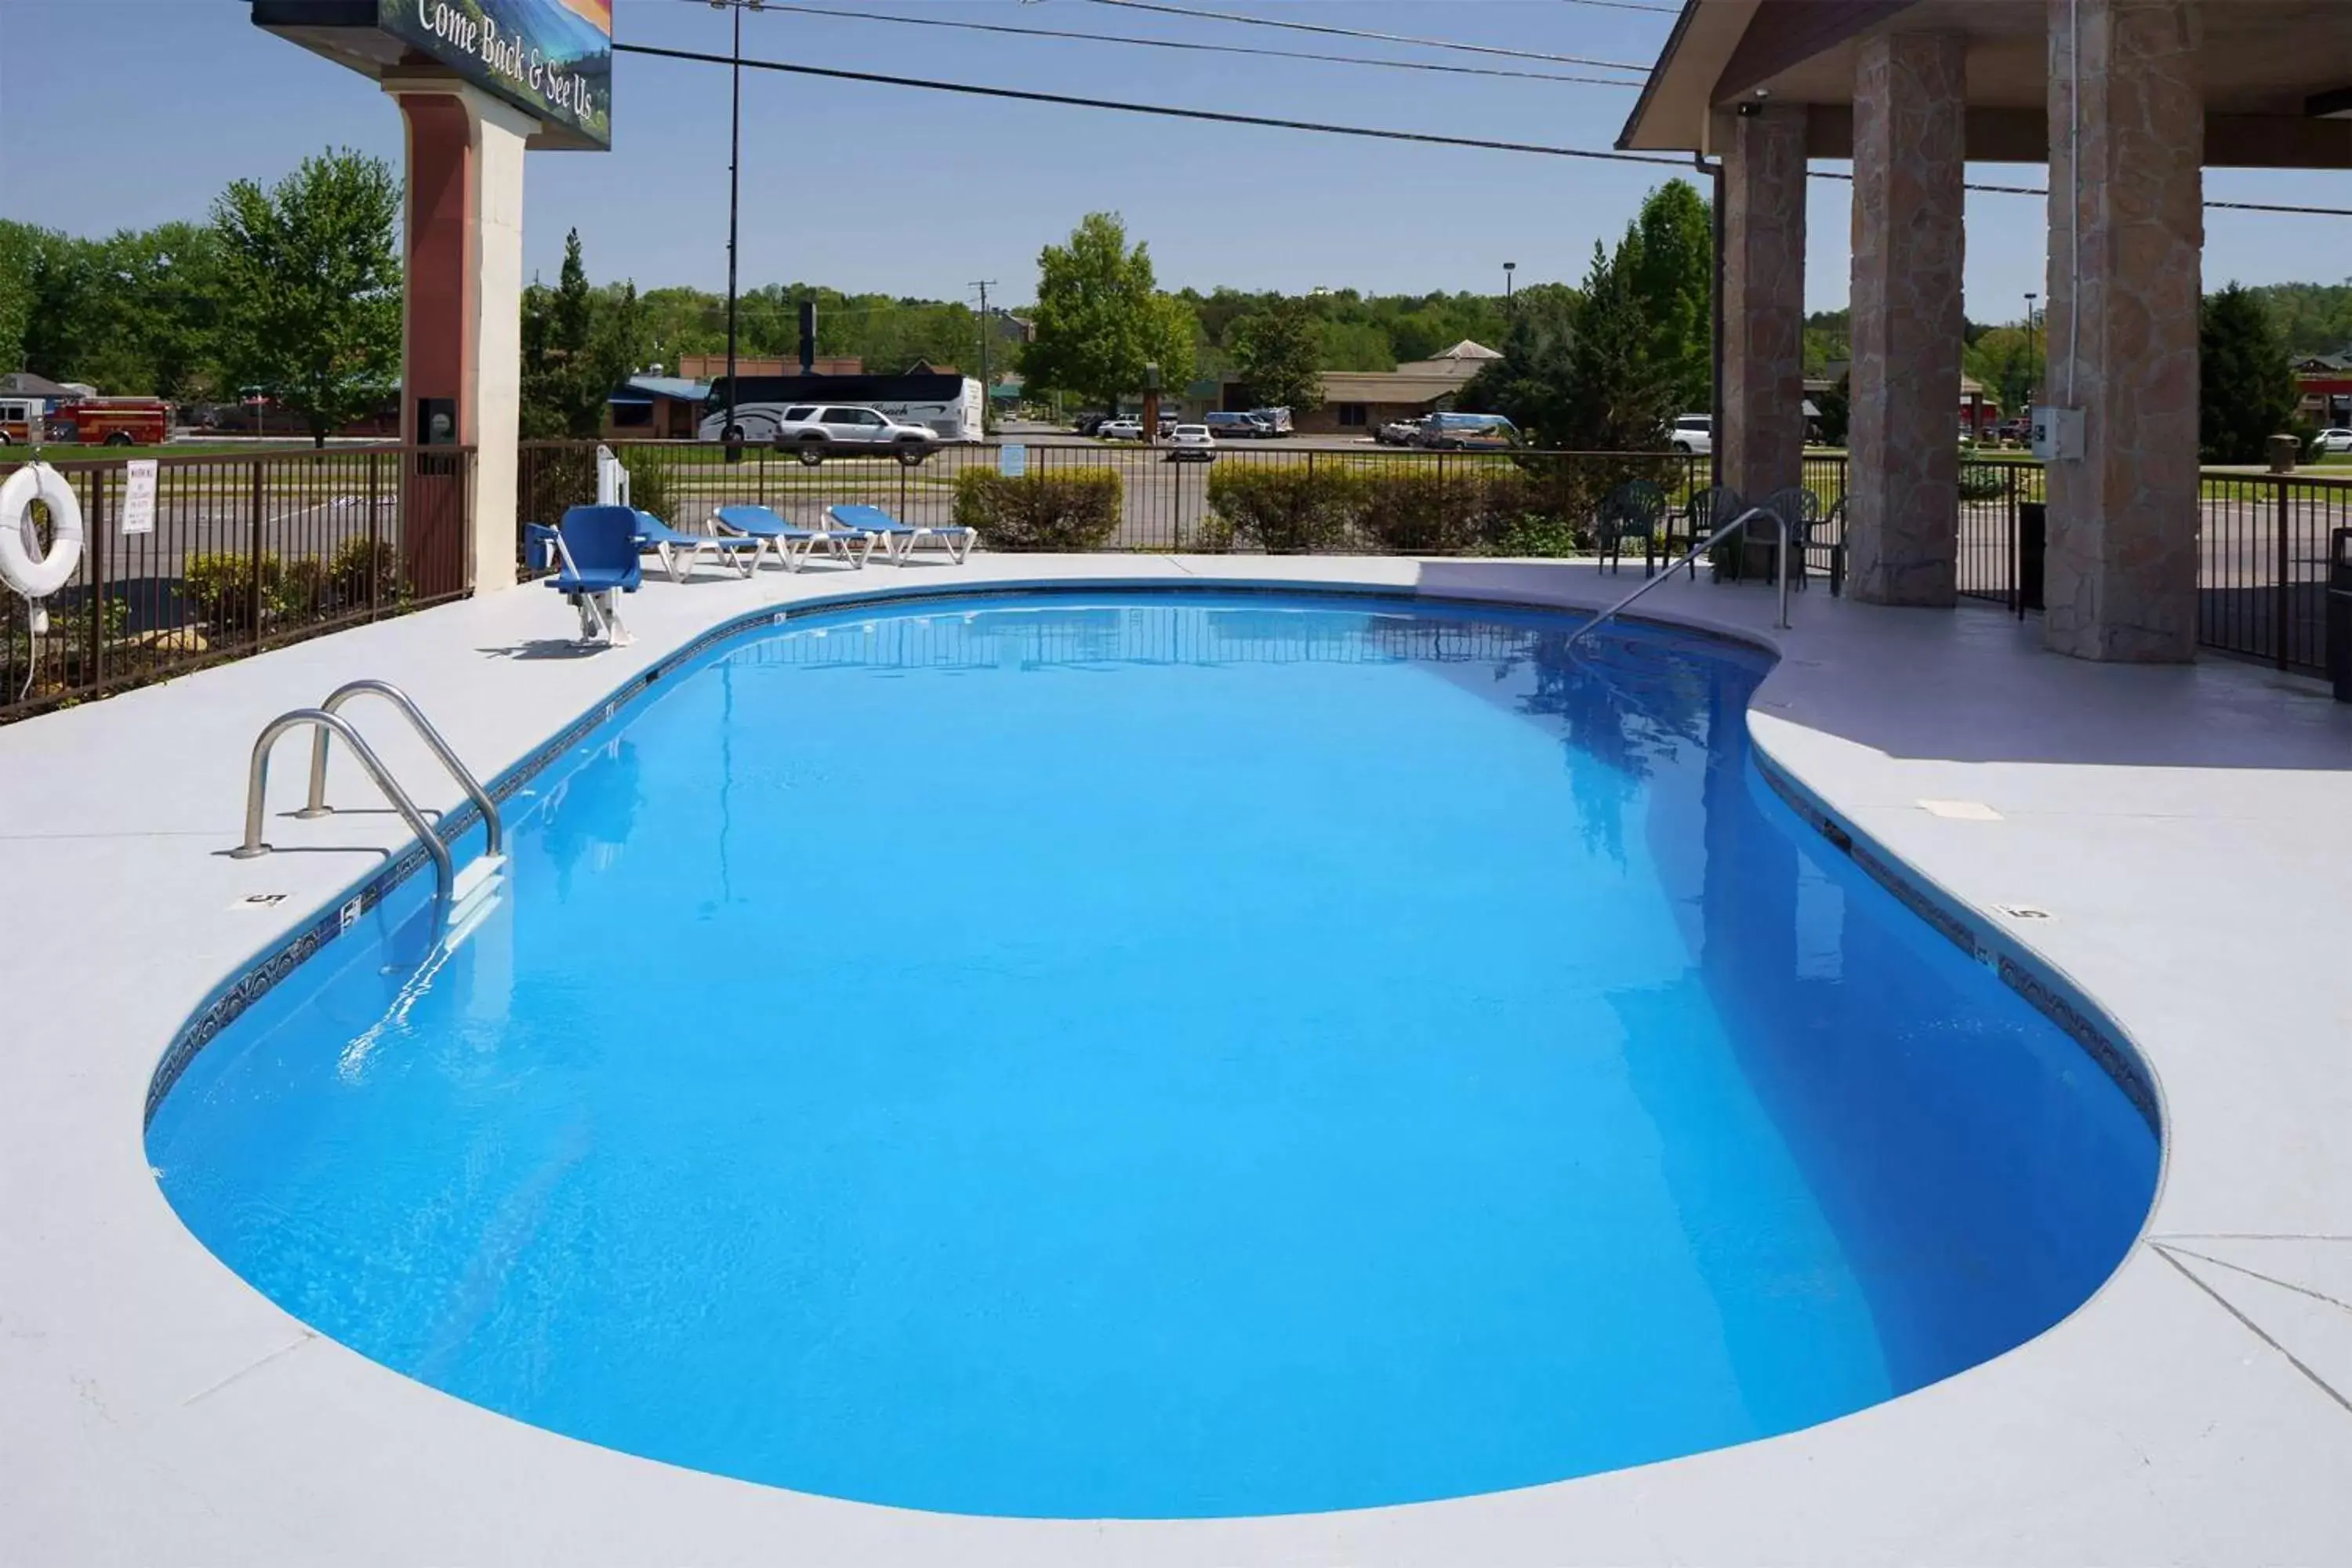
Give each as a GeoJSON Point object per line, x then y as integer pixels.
{"type": "Point", "coordinates": [127, 112]}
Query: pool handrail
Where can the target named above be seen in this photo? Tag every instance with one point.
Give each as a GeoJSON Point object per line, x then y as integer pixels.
{"type": "Point", "coordinates": [257, 788]}
{"type": "Point", "coordinates": [1701, 548]}
{"type": "Point", "coordinates": [441, 748]}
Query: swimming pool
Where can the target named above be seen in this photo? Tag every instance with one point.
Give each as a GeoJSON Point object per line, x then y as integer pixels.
{"type": "Point", "coordinates": [1164, 1057]}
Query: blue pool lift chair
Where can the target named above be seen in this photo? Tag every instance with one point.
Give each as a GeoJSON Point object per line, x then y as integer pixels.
{"type": "Point", "coordinates": [597, 557]}
{"type": "Point", "coordinates": [680, 552]}
{"type": "Point", "coordinates": [899, 539]}
{"type": "Point", "coordinates": [794, 544]}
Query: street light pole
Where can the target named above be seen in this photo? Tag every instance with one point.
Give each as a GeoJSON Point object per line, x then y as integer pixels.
{"type": "Point", "coordinates": [733, 435]}
{"type": "Point", "coordinates": [2033, 368]}
{"type": "Point", "coordinates": [1509, 307]}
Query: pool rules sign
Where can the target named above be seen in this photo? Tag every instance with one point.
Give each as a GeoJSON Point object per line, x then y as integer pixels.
{"type": "Point", "coordinates": [138, 496]}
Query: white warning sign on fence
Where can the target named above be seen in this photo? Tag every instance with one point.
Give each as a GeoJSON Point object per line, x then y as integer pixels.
{"type": "Point", "coordinates": [138, 496]}
{"type": "Point", "coordinates": [1013, 459]}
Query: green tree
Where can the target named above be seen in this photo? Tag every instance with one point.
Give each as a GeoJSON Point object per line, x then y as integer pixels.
{"type": "Point", "coordinates": [1279, 354]}
{"type": "Point", "coordinates": [1577, 372]}
{"type": "Point", "coordinates": [2246, 389]}
{"type": "Point", "coordinates": [1100, 318]}
{"type": "Point", "coordinates": [2004, 360]}
{"type": "Point", "coordinates": [310, 286]}
{"type": "Point", "coordinates": [1670, 255]}
{"type": "Point", "coordinates": [577, 345]}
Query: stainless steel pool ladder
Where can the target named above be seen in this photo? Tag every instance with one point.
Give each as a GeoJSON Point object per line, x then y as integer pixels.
{"type": "Point", "coordinates": [1702, 547]}
{"type": "Point", "coordinates": [326, 720]}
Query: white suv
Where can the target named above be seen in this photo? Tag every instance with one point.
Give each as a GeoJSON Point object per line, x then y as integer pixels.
{"type": "Point", "coordinates": [816, 431]}
{"type": "Point", "coordinates": [1693, 435]}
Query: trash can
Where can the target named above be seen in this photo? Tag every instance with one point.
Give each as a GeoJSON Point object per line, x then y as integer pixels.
{"type": "Point", "coordinates": [2281, 452]}
{"type": "Point", "coordinates": [2339, 612]}
{"type": "Point", "coordinates": [2032, 553]}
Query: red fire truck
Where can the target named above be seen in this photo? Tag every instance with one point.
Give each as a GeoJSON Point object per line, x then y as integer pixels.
{"type": "Point", "coordinates": [114, 422]}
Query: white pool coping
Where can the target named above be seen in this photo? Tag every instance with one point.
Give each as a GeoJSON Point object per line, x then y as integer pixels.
{"type": "Point", "coordinates": [2189, 830]}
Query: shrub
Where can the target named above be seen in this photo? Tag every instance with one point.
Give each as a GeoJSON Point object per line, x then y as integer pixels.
{"type": "Point", "coordinates": [1075, 511]}
{"type": "Point", "coordinates": [363, 568]}
{"type": "Point", "coordinates": [1983, 481]}
{"type": "Point", "coordinates": [302, 591]}
{"type": "Point", "coordinates": [219, 586]}
{"type": "Point", "coordinates": [555, 478]}
{"type": "Point", "coordinates": [1287, 509]}
{"type": "Point", "coordinates": [649, 481]}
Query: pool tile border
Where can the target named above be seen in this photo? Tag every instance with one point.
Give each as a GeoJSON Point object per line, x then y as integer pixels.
{"type": "Point", "coordinates": [2056, 1000]}
{"type": "Point", "coordinates": [2042, 988]}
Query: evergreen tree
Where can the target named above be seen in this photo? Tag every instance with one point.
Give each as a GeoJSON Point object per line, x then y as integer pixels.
{"type": "Point", "coordinates": [1670, 254]}
{"type": "Point", "coordinates": [2246, 389]}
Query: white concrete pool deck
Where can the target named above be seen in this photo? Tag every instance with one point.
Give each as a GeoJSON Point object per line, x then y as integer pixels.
{"type": "Point", "coordinates": [2188, 831]}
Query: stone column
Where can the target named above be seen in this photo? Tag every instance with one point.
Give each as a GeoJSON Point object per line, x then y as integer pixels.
{"type": "Point", "coordinates": [2127, 231]}
{"type": "Point", "coordinates": [1761, 447]}
{"type": "Point", "coordinates": [462, 325]}
{"type": "Point", "coordinates": [1903, 498]}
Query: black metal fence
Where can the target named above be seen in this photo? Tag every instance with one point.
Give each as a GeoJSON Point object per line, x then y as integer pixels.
{"type": "Point", "coordinates": [241, 552]}
{"type": "Point", "coordinates": [249, 551]}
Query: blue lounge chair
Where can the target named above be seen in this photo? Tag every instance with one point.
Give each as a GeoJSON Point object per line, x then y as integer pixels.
{"type": "Point", "coordinates": [792, 544]}
{"type": "Point", "coordinates": [899, 539]}
{"type": "Point", "coordinates": [679, 551]}
{"type": "Point", "coordinates": [597, 557]}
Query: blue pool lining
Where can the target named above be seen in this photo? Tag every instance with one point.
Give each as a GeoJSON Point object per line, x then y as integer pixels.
{"type": "Point", "coordinates": [2048, 991]}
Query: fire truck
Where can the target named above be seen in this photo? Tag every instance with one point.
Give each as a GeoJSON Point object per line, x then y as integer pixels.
{"type": "Point", "coordinates": [21, 421]}
{"type": "Point", "coordinates": [114, 422]}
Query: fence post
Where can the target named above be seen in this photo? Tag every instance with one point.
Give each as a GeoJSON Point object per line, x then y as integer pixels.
{"type": "Point", "coordinates": [2282, 593]}
{"type": "Point", "coordinates": [376, 531]}
{"type": "Point", "coordinates": [96, 531]}
{"type": "Point", "coordinates": [253, 561]}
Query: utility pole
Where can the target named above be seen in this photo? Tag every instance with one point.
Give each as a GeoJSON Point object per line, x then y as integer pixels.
{"type": "Point", "coordinates": [732, 433]}
{"type": "Point", "coordinates": [986, 391]}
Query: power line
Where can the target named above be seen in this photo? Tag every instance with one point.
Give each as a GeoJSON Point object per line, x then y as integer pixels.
{"type": "Point", "coordinates": [1219, 117]}
{"type": "Point", "coordinates": [1166, 111]}
{"type": "Point", "coordinates": [1377, 37]}
{"type": "Point", "coordinates": [1623, 5]}
{"type": "Point", "coordinates": [1021, 32]}
{"type": "Point", "coordinates": [2039, 191]}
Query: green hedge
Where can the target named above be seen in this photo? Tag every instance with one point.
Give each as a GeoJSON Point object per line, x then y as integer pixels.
{"type": "Point", "coordinates": [1288, 509]}
{"type": "Point", "coordinates": [1489, 509]}
{"type": "Point", "coordinates": [1078, 510]}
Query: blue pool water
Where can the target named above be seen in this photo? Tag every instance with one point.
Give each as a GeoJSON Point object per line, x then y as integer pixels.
{"type": "Point", "coordinates": [1164, 1057]}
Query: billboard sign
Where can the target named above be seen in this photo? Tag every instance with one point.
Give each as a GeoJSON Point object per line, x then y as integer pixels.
{"type": "Point", "coordinates": [553, 58]}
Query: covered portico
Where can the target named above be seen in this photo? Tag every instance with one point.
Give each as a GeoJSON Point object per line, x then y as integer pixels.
{"type": "Point", "coordinates": [2126, 103]}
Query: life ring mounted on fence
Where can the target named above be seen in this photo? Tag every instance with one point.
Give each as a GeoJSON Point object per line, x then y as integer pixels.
{"type": "Point", "coordinates": [37, 577]}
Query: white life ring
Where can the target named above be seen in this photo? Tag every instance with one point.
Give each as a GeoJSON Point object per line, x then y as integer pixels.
{"type": "Point", "coordinates": [37, 579]}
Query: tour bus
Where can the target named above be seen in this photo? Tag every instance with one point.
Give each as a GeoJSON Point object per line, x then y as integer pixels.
{"type": "Point", "coordinates": [947, 405]}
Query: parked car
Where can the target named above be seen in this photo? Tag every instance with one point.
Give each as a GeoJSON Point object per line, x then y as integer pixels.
{"type": "Point", "coordinates": [1276, 420]}
{"type": "Point", "coordinates": [816, 431]}
{"type": "Point", "coordinates": [1120, 430]}
{"type": "Point", "coordinates": [1087, 424]}
{"type": "Point", "coordinates": [2332, 441]}
{"type": "Point", "coordinates": [1229, 427]}
{"type": "Point", "coordinates": [1192, 444]}
{"type": "Point", "coordinates": [1467, 432]}
{"type": "Point", "coordinates": [1398, 433]}
{"type": "Point", "coordinates": [1693, 435]}
{"type": "Point", "coordinates": [1168, 424]}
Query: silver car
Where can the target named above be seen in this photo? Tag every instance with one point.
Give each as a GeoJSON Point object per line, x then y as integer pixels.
{"type": "Point", "coordinates": [816, 431]}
